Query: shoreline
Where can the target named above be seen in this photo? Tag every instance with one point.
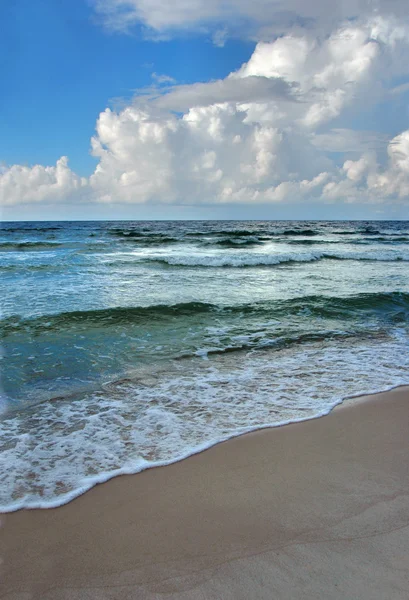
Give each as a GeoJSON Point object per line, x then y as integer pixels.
{"type": "Point", "coordinates": [103, 478]}
{"type": "Point", "coordinates": [318, 509]}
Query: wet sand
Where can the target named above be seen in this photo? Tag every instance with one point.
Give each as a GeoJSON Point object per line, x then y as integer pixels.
{"type": "Point", "coordinates": [316, 510]}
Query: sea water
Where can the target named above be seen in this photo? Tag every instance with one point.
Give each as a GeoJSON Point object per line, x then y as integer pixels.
{"type": "Point", "coordinates": [127, 345]}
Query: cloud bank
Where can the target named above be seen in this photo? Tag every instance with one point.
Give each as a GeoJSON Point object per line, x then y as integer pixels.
{"type": "Point", "coordinates": [267, 133]}
{"type": "Point", "coordinates": [21, 184]}
{"type": "Point", "coordinates": [259, 19]}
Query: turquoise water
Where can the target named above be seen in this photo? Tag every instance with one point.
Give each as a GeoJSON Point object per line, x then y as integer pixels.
{"type": "Point", "coordinates": [131, 344]}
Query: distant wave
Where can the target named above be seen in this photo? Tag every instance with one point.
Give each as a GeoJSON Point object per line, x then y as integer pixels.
{"type": "Point", "coordinates": [311, 242]}
{"type": "Point", "coordinates": [154, 240]}
{"type": "Point", "coordinates": [223, 260]}
{"type": "Point", "coordinates": [125, 233]}
{"type": "Point", "coordinates": [393, 304]}
{"type": "Point", "coordinates": [14, 229]}
{"type": "Point", "coordinates": [259, 260]}
{"type": "Point", "coordinates": [145, 238]}
{"type": "Point", "coordinates": [264, 233]}
{"type": "Point", "coordinates": [229, 241]}
{"type": "Point", "coordinates": [390, 238]}
{"type": "Point", "coordinates": [242, 239]}
{"type": "Point", "coordinates": [369, 231]}
{"type": "Point", "coordinates": [227, 232]}
{"type": "Point", "coordinates": [30, 246]}
{"type": "Point", "coordinates": [34, 268]}
{"type": "Point", "coordinates": [236, 242]}
{"type": "Point", "coordinates": [254, 232]}
{"type": "Point", "coordinates": [359, 231]}
{"type": "Point", "coordinates": [304, 232]}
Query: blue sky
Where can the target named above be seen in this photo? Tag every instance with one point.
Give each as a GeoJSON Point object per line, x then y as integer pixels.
{"type": "Point", "coordinates": [60, 69]}
{"type": "Point", "coordinates": [314, 124]}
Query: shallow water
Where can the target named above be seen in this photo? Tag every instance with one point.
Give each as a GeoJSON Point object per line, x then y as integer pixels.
{"type": "Point", "coordinates": [132, 344]}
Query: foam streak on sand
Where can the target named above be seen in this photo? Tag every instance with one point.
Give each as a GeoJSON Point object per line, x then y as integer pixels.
{"type": "Point", "coordinates": [310, 511]}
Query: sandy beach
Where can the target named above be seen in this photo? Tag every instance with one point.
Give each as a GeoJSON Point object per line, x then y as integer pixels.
{"type": "Point", "coordinates": [315, 510]}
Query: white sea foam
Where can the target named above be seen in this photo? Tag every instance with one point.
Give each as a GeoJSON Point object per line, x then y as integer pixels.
{"type": "Point", "coordinates": [56, 452]}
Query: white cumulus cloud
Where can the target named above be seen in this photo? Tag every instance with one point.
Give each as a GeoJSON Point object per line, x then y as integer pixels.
{"type": "Point", "coordinates": [265, 133]}
{"type": "Point", "coordinates": [257, 135]}
{"type": "Point", "coordinates": [20, 184]}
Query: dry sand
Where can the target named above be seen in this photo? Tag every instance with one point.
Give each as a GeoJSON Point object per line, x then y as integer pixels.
{"type": "Point", "coordinates": [316, 510]}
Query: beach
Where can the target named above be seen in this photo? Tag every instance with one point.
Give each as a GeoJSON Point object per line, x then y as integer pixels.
{"type": "Point", "coordinates": [317, 509]}
{"type": "Point", "coordinates": [204, 300]}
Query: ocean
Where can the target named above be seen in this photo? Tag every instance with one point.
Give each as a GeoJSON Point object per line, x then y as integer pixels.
{"type": "Point", "coordinates": [127, 345]}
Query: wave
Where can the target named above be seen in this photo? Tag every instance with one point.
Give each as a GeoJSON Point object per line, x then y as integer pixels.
{"type": "Point", "coordinates": [394, 305]}
{"type": "Point", "coordinates": [157, 240]}
{"type": "Point", "coordinates": [105, 316]}
{"type": "Point", "coordinates": [125, 233]}
{"type": "Point", "coordinates": [365, 240]}
{"type": "Point", "coordinates": [311, 242]}
{"type": "Point", "coordinates": [142, 232]}
{"type": "Point", "coordinates": [281, 342]}
{"type": "Point", "coordinates": [260, 260]}
{"type": "Point", "coordinates": [303, 232]}
{"type": "Point", "coordinates": [366, 231]}
{"type": "Point", "coordinates": [32, 268]}
{"type": "Point", "coordinates": [389, 238]}
{"type": "Point", "coordinates": [242, 239]}
{"type": "Point", "coordinates": [28, 229]}
{"type": "Point", "coordinates": [254, 232]}
{"type": "Point", "coordinates": [102, 246]}
{"type": "Point", "coordinates": [30, 246]}
{"type": "Point", "coordinates": [144, 237]}
{"type": "Point", "coordinates": [230, 260]}
{"type": "Point", "coordinates": [236, 243]}
{"type": "Point", "coordinates": [230, 233]}
{"type": "Point", "coordinates": [263, 233]}
{"type": "Point", "coordinates": [369, 231]}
